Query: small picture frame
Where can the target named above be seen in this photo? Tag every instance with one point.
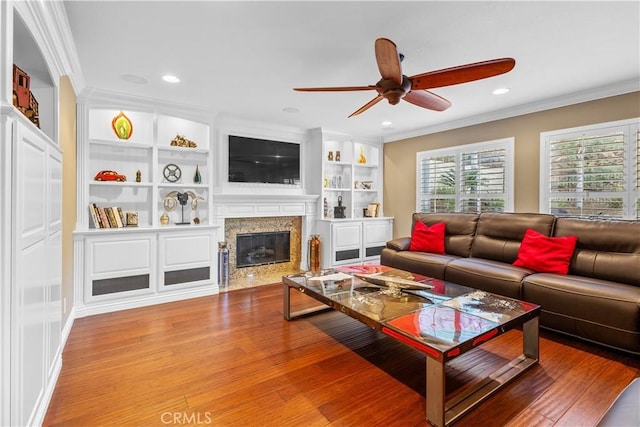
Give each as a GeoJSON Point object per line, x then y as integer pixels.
{"type": "Point", "coordinates": [132, 219]}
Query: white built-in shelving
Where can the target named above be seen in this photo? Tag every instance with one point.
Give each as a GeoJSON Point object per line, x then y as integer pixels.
{"type": "Point", "coordinates": [153, 261]}
{"type": "Point", "coordinates": [351, 170]}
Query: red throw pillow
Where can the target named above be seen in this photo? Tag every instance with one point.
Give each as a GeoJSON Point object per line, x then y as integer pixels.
{"type": "Point", "coordinates": [545, 254]}
{"type": "Point", "coordinates": [428, 239]}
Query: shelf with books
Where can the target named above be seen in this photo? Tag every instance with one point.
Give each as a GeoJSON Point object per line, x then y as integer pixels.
{"type": "Point", "coordinates": [134, 158]}
{"type": "Point", "coordinates": [160, 239]}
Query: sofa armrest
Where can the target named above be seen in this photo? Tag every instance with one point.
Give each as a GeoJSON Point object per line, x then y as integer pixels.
{"type": "Point", "coordinates": [624, 411]}
{"type": "Point", "coordinates": [399, 244]}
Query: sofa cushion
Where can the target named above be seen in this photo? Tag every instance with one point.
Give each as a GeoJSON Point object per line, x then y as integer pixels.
{"type": "Point", "coordinates": [499, 235]}
{"type": "Point", "coordinates": [597, 310]}
{"type": "Point", "coordinates": [606, 249]}
{"type": "Point", "coordinates": [459, 233]}
{"type": "Point", "coordinates": [545, 254]}
{"type": "Point", "coordinates": [428, 238]}
{"type": "Point", "coordinates": [424, 263]}
{"type": "Point", "coordinates": [487, 275]}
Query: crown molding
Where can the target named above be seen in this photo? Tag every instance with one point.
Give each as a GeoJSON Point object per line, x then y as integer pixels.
{"type": "Point", "coordinates": [620, 88]}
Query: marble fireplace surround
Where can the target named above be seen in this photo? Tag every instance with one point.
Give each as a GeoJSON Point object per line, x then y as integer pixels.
{"type": "Point", "coordinates": [264, 213]}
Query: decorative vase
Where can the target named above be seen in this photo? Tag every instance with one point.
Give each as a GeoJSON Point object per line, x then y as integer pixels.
{"type": "Point", "coordinates": [314, 253]}
{"type": "Point", "coordinates": [164, 219]}
{"type": "Point", "coordinates": [197, 178]}
{"type": "Point", "coordinates": [223, 265]}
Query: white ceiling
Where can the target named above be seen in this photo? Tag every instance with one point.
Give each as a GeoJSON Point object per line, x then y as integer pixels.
{"type": "Point", "coordinates": [242, 59]}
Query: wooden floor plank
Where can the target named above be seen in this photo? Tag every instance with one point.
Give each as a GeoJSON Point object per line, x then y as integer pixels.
{"type": "Point", "coordinates": [232, 360]}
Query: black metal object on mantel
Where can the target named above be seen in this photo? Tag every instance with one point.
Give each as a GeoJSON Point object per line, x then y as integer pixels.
{"type": "Point", "coordinates": [339, 211]}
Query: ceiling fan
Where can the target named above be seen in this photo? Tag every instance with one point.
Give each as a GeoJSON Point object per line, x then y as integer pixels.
{"type": "Point", "coordinates": [395, 86]}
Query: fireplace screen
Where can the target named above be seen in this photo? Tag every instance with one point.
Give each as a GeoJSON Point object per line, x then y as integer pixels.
{"type": "Point", "coordinates": [262, 248]}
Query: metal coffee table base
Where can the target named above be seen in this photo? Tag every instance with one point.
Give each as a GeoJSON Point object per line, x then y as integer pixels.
{"type": "Point", "coordinates": [441, 412]}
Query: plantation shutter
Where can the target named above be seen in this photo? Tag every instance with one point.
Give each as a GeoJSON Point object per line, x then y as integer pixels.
{"type": "Point", "coordinates": [437, 177]}
{"type": "Point", "coordinates": [482, 180]}
{"type": "Point", "coordinates": [470, 178]}
{"type": "Point", "coordinates": [587, 175]}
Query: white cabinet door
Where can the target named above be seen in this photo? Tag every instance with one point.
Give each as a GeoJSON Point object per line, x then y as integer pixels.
{"type": "Point", "coordinates": [36, 256]}
{"type": "Point", "coordinates": [346, 240]}
{"type": "Point", "coordinates": [119, 265]}
{"type": "Point", "coordinates": [186, 259]}
{"type": "Point", "coordinates": [375, 234]}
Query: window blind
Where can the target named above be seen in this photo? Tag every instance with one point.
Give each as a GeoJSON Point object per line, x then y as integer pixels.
{"type": "Point", "coordinates": [471, 178]}
{"type": "Point", "coordinates": [592, 171]}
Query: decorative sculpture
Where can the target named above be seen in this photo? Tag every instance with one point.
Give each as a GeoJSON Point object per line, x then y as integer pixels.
{"type": "Point", "coordinates": [122, 126]}
{"type": "Point", "coordinates": [173, 198]}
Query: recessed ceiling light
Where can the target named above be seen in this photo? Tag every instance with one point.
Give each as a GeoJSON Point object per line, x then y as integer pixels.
{"type": "Point", "coordinates": [170, 79]}
{"type": "Point", "coordinates": [386, 123]}
{"type": "Point", "coordinates": [501, 91]}
{"type": "Point", "coordinates": [291, 110]}
{"type": "Point", "coordinates": [132, 78]}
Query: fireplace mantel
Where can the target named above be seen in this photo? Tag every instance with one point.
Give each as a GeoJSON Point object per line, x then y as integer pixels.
{"type": "Point", "coordinates": [263, 205]}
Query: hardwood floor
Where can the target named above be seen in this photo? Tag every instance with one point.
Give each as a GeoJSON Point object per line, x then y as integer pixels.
{"type": "Point", "coordinates": [232, 360]}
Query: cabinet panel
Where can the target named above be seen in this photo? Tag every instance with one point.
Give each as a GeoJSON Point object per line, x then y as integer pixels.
{"type": "Point", "coordinates": [118, 257]}
{"type": "Point", "coordinates": [376, 232]}
{"type": "Point", "coordinates": [185, 259]}
{"type": "Point", "coordinates": [32, 158]}
{"type": "Point", "coordinates": [353, 241]}
{"type": "Point", "coordinates": [182, 250]}
{"type": "Point", "coordinates": [346, 235]}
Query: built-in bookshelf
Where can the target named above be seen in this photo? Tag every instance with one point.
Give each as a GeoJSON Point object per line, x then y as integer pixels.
{"type": "Point", "coordinates": [150, 171]}
{"type": "Point", "coordinates": [144, 233]}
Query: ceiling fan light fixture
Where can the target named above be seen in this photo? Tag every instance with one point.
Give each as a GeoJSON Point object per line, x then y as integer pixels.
{"type": "Point", "coordinates": [501, 91]}
{"type": "Point", "coordinates": [170, 78]}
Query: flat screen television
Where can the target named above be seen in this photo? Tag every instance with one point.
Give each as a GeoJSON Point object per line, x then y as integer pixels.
{"type": "Point", "coordinates": [255, 160]}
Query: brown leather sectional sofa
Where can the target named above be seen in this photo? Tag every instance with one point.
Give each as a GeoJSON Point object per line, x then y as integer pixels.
{"type": "Point", "coordinates": [598, 300]}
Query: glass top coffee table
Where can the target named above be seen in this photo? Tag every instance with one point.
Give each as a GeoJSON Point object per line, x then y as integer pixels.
{"type": "Point", "coordinates": [441, 319]}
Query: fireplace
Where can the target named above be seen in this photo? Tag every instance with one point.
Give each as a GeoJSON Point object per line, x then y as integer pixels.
{"type": "Point", "coordinates": [235, 227]}
{"type": "Point", "coordinates": [262, 248]}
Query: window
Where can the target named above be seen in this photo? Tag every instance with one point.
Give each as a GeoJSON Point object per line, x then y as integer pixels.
{"type": "Point", "coordinates": [591, 171]}
{"type": "Point", "coordinates": [469, 178]}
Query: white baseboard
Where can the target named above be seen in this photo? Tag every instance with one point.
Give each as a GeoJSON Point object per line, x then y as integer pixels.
{"type": "Point", "coordinates": [42, 404]}
{"type": "Point", "coordinates": [142, 301]}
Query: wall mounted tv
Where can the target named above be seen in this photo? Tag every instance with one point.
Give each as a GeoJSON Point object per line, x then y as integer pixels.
{"type": "Point", "coordinates": [256, 160]}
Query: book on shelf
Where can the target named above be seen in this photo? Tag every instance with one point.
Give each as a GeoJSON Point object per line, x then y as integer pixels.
{"type": "Point", "coordinates": [107, 217]}
{"type": "Point", "coordinates": [111, 217]}
{"type": "Point", "coordinates": [123, 219]}
{"type": "Point", "coordinates": [103, 218]}
{"type": "Point", "coordinates": [93, 211]}
{"type": "Point", "coordinates": [116, 217]}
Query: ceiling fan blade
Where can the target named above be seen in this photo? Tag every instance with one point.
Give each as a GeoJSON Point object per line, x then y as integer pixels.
{"type": "Point", "coordinates": [334, 89]}
{"type": "Point", "coordinates": [426, 99]}
{"type": "Point", "coordinates": [462, 73]}
{"type": "Point", "coordinates": [368, 105]}
{"type": "Point", "coordinates": [388, 60]}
